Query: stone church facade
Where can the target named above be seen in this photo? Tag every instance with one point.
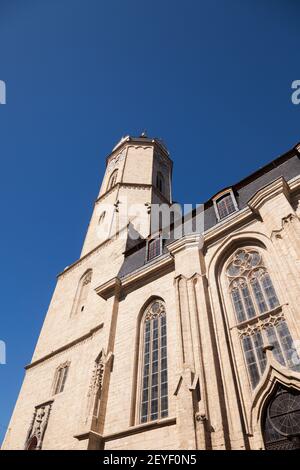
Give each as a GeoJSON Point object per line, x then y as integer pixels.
{"type": "Point", "coordinates": [190, 342]}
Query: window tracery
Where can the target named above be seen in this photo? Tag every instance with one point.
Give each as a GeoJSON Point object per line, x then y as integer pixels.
{"type": "Point", "coordinates": [259, 318]}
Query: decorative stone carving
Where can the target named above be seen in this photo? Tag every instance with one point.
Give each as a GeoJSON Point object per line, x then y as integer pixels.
{"type": "Point", "coordinates": [200, 417]}
{"type": "Point", "coordinates": [87, 279]}
{"type": "Point", "coordinates": [115, 160]}
{"type": "Point", "coordinates": [155, 310]}
{"type": "Point", "coordinates": [96, 384]}
{"type": "Point", "coordinates": [243, 261]}
{"type": "Point", "coordinates": [271, 320]}
{"type": "Point", "coordinates": [38, 426]}
{"type": "Point", "coordinates": [97, 377]}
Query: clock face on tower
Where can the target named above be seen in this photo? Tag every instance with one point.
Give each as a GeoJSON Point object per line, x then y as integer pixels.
{"type": "Point", "coordinates": [115, 160]}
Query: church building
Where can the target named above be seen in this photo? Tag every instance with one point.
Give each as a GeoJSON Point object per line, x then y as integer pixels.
{"type": "Point", "coordinates": [159, 341]}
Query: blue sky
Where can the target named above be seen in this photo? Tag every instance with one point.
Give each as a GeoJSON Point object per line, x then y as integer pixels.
{"type": "Point", "coordinates": [212, 78]}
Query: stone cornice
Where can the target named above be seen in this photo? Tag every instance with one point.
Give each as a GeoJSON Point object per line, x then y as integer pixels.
{"type": "Point", "coordinates": [140, 428]}
{"type": "Point", "coordinates": [66, 346]}
{"type": "Point", "coordinates": [266, 193]}
{"type": "Point", "coordinates": [294, 183]}
{"type": "Point", "coordinates": [188, 241]}
{"type": "Point", "coordinates": [228, 224]}
{"type": "Point", "coordinates": [123, 185]}
{"type": "Point", "coordinates": [139, 142]}
{"type": "Point", "coordinates": [148, 270]}
{"type": "Point", "coordinates": [159, 268]}
{"type": "Point", "coordinates": [108, 289]}
{"type": "Point", "coordinates": [127, 432]}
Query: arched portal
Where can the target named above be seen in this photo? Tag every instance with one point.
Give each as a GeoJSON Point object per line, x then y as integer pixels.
{"type": "Point", "coordinates": [281, 420]}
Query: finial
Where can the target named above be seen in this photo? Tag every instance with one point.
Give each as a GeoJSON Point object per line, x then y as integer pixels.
{"type": "Point", "coordinates": [144, 134]}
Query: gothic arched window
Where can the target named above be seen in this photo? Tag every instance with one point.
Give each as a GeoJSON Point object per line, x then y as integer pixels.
{"type": "Point", "coordinates": [61, 377]}
{"type": "Point", "coordinates": [259, 318]}
{"type": "Point", "coordinates": [82, 293]}
{"type": "Point", "coordinates": [251, 288]}
{"type": "Point", "coordinates": [112, 180]}
{"type": "Point", "coordinates": [154, 372]}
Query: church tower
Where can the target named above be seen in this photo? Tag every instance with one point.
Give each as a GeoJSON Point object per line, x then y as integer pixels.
{"type": "Point", "coordinates": [138, 174]}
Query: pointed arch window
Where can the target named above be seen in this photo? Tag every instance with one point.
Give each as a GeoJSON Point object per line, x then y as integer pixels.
{"type": "Point", "coordinates": [154, 367]}
{"type": "Point", "coordinates": [102, 217]}
{"type": "Point", "coordinates": [250, 285]}
{"type": "Point", "coordinates": [160, 182]}
{"type": "Point", "coordinates": [259, 318]}
{"type": "Point", "coordinates": [61, 377]}
{"type": "Point", "coordinates": [82, 293]}
{"type": "Point", "coordinates": [112, 180]}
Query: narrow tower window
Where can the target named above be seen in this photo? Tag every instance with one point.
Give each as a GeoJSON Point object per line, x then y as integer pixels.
{"type": "Point", "coordinates": [160, 182]}
{"type": "Point", "coordinates": [112, 180]}
{"type": "Point", "coordinates": [101, 218]}
{"type": "Point", "coordinates": [82, 293]}
{"type": "Point", "coordinates": [154, 390]}
{"type": "Point", "coordinates": [61, 377]}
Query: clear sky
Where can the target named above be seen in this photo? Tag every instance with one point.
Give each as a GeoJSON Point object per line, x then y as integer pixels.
{"type": "Point", "coordinates": [211, 77]}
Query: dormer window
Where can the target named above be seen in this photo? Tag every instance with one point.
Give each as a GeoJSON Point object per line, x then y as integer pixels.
{"type": "Point", "coordinates": [154, 248]}
{"type": "Point", "coordinates": [160, 182]}
{"type": "Point", "coordinates": [225, 204]}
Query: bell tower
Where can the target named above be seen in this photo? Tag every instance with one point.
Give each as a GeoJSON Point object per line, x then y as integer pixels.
{"type": "Point", "coordinates": [138, 174]}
